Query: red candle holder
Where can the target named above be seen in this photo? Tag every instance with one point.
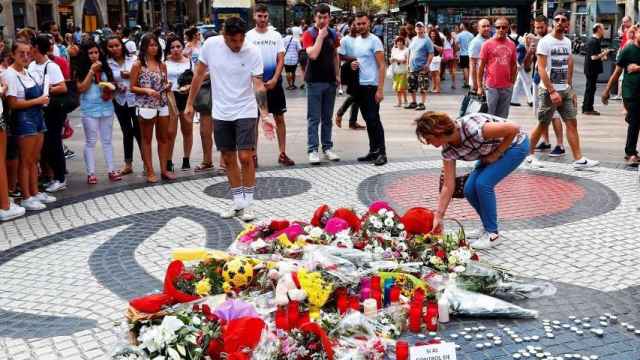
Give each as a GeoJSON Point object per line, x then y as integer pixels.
{"type": "Point", "coordinates": [394, 294]}
{"type": "Point", "coordinates": [415, 313]}
{"type": "Point", "coordinates": [293, 314]}
{"type": "Point", "coordinates": [431, 317]}
{"type": "Point", "coordinates": [402, 350]}
{"type": "Point", "coordinates": [375, 282]}
{"type": "Point", "coordinates": [342, 302]}
{"type": "Point", "coordinates": [354, 303]}
{"type": "Point", "coordinates": [282, 318]}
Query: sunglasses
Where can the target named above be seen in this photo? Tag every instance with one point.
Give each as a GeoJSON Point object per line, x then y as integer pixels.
{"type": "Point", "coordinates": [502, 27]}
{"type": "Point", "coordinates": [560, 19]}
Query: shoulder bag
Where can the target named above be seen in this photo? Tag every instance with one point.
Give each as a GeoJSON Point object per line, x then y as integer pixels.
{"type": "Point", "coordinates": [66, 102]}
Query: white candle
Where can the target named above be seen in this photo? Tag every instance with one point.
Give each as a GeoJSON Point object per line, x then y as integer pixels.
{"type": "Point", "coordinates": [370, 307]}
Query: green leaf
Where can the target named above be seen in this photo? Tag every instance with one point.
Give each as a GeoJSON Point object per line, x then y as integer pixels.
{"type": "Point", "coordinates": [173, 354]}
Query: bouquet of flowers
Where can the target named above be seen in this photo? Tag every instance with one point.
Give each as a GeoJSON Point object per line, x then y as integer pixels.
{"type": "Point", "coordinates": [202, 280]}
{"type": "Point", "coordinates": [383, 235]}
{"type": "Point", "coordinates": [186, 335]}
{"type": "Point", "coordinates": [450, 252]}
{"type": "Point", "coordinates": [309, 342]}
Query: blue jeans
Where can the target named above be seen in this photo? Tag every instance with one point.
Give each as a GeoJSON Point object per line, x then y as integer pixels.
{"type": "Point", "coordinates": [479, 189]}
{"type": "Point", "coordinates": [320, 100]}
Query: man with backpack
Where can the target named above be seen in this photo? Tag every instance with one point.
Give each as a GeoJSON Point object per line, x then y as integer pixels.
{"type": "Point", "coordinates": [129, 43]}
{"type": "Point", "coordinates": [322, 76]}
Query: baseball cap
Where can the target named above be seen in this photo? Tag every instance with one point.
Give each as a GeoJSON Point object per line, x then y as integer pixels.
{"type": "Point", "coordinates": [419, 23]}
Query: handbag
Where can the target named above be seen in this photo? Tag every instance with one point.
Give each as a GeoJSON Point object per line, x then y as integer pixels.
{"type": "Point", "coordinates": [473, 103]}
{"type": "Point", "coordinates": [66, 102]}
{"type": "Point", "coordinates": [186, 77]}
{"type": "Point", "coordinates": [173, 106]}
{"type": "Point", "coordinates": [202, 103]}
{"type": "Point", "coordinates": [67, 130]}
{"type": "Point", "coordinates": [458, 190]}
{"type": "Point", "coordinates": [447, 55]}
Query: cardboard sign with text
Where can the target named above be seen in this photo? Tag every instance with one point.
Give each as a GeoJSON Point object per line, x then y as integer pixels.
{"type": "Point", "coordinates": [443, 351]}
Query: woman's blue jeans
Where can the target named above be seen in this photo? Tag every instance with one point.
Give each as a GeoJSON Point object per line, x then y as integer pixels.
{"type": "Point", "coordinates": [479, 189]}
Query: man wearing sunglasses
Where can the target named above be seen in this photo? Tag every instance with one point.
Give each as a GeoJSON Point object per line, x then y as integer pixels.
{"type": "Point", "coordinates": [498, 65]}
{"type": "Point", "coordinates": [555, 66]}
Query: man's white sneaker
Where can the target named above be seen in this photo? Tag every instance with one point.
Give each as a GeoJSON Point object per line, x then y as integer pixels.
{"type": "Point", "coordinates": [232, 212]}
{"type": "Point", "coordinates": [45, 198]}
{"type": "Point", "coordinates": [585, 163]}
{"type": "Point", "coordinates": [14, 211]}
{"type": "Point", "coordinates": [486, 241]}
{"type": "Point", "coordinates": [314, 158]}
{"type": "Point", "coordinates": [32, 204]}
{"type": "Point", "coordinates": [331, 155]}
{"type": "Point", "coordinates": [247, 215]}
{"type": "Point", "coordinates": [56, 186]}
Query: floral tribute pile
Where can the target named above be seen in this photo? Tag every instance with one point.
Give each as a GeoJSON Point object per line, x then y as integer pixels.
{"type": "Point", "coordinates": [340, 286]}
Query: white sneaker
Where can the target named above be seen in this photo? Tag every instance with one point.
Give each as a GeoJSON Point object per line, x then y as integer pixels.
{"type": "Point", "coordinates": [32, 204]}
{"type": "Point", "coordinates": [314, 158]}
{"type": "Point", "coordinates": [585, 163]}
{"type": "Point", "coordinates": [231, 213]}
{"type": "Point", "coordinates": [331, 155]}
{"type": "Point", "coordinates": [475, 234]}
{"type": "Point", "coordinates": [340, 92]}
{"type": "Point", "coordinates": [45, 198]}
{"type": "Point", "coordinates": [533, 162]}
{"type": "Point", "coordinates": [56, 186]}
{"type": "Point", "coordinates": [247, 215]}
{"type": "Point", "coordinates": [486, 241]}
{"type": "Point", "coordinates": [14, 211]}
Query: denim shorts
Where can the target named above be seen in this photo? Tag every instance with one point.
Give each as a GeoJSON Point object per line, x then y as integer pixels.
{"type": "Point", "coordinates": [28, 123]}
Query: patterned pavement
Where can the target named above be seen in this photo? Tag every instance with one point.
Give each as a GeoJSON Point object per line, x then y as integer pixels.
{"type": "Point", "coordinates": [68, 272]}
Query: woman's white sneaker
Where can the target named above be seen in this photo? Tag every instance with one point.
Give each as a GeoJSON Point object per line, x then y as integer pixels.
{"type": "Point", "coordinates": [56, 186]}
{"type": "Point", "coordinates": [32, 204]}
{"type": "Point", "coordinates": [14, 211]}
{"type": "Point", "coordinates": [585, 163]}
{"type": "Point", "coordinates": [486, 241]}
{"type": "Point", "coordinates": [45, 198]}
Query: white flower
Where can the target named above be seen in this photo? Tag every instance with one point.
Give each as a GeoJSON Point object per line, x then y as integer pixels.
{"type": "Point", "coordinates": [388, 222]}
{"type": "Point", "coordinates": [258, 244]}
{"type": "Point", "coordinates": [459, 269]}
{"type": "Point", "coordinates": [159, 337]}
{"type": "Point", "coordinates": [464, 254]}
{"type": "Point", "coordinates": [316, 232]}
{"type": "Point", "coordinates": [400, 226]}
{"type": "Point", "coordinates": [381, 212]}
{"type": "Point", "coordinates": [390, 214]}
{"type": "Point", "coordinates": [453, 260]}
{"type": "Point", "coordinates": [376, 224]}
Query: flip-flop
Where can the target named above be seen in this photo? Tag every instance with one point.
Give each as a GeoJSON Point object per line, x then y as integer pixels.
{"type": "Point", "coordinates": [203, 167]}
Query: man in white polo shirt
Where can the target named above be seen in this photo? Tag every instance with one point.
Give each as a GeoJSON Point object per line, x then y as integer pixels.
{"type": "Point", "coordinates": [235, 68]}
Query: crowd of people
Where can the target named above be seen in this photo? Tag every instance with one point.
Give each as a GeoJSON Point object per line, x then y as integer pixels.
{"type": "Point", "coordinates": [233, 84]}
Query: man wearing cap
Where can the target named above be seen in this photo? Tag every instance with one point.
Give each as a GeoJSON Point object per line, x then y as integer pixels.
{"type": "Point", "coordinates": [420, 56]}
{"type": "Point", "coordinates": [593, 67]}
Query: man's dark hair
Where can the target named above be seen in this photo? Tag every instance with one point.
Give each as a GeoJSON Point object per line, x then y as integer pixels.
{"type": "Point", "coordinates": [47, 25]}
{"type": "Point", "coordinates": [261, 8]}
{"type": "Point", "coordinates": [541, 18]}
{"type": "Point", "coordinates": [350, 21]}
{"type": "Point", "coordinates": [322, 8]}
{"type": "Point", "coordinates": [77, 28]}
{"type": "Point", "coordinates": [464, 25]}
{"type": "Point", "coordinates": [596, 27]}
{"type": "Point", "coordinates": [360, 14]}
{"type": "Point", "coordinates": [42, 42]}
{"type": "Point", "coordinates": [234, 25]}
{"type": "Point", "coordinates": [126, 32]}
{"type": "Point", "coordinates": [562, 12]}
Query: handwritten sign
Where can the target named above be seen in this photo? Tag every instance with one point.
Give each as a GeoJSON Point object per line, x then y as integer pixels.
{"type": "Point", "coordinates": [443, 351]}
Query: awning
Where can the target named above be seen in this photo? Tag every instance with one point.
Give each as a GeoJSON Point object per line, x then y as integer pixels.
{"type": "Point", "coordinates": [607, 7]}
{"type": "Point", "coordinates": [334, 9]}
{"type": "Point", "coordinates": [474, 3]}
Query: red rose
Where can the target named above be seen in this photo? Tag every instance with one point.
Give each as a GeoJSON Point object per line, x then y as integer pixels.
{"type": "Point", "coordinates": [214, 348]}
{"type": "Point", "coordinates": [187, 276]}
{"type": "Point", "coordinates": [475, 257]}
{"type": "Point", "coordinates": [441, 254]}
{"type": "Point", "coordinates": [277, 225]}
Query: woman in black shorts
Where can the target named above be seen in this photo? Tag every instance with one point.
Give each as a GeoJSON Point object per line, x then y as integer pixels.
{"type": "Point", "coordinates": [177, 64]}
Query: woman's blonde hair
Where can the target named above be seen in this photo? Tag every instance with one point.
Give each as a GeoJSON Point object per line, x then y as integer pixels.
{"type": "Point", "coordinates": [434, 123]}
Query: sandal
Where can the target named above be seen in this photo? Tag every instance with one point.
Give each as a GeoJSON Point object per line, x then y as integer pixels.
{"type": "Point", "coordinates": [115, 176]}
{"type": "Point", "coordinates": [126, 170]}
{"type": "Point", "coordinates": [203, 167]}
{"type": "Point", "coordinates": [168, 176]}
{"type": "Point", "coordinates": [633, 160]}
{"type": "Point", "coordinates": [152, 179]}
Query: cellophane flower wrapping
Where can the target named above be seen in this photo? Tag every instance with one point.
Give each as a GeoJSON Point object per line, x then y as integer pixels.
{"type": "Point", "coordinates": [467, 303]}
{"type": "Point", "coordinates": [486, 279]}
{"type": "Point", "coordinates": [354, 323]}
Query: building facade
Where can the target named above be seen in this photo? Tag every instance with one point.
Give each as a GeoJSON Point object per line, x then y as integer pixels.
{"type": "Point", "coordinates": [93, 14]}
